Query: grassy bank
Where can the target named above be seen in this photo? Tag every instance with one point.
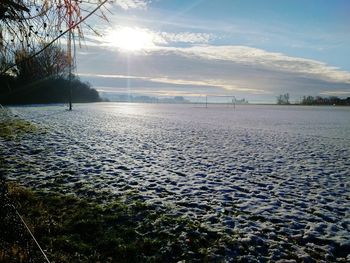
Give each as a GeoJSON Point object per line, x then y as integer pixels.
{"type": "Point", "coordinates": [74, 230]}
{"type": "Point", "coordinates": [12, 128]}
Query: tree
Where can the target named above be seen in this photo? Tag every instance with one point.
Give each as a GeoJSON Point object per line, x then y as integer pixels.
{"type": "Point", "coordinates": [283, 99]}
{"type": "Point", "coordinates": [52, 62]}
{"type": "Point", "coordinates": [309, 100]}
{"type": "Point", "coordinates": [25, 24]}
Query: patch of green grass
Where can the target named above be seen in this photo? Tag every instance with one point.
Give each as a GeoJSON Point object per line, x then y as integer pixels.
{"type": "Point", "coordinates": [74, 230]}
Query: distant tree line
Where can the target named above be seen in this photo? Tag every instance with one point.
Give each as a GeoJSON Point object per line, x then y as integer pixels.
{"type": "Point", "coordinates": [43, 79]}
{"type": "Point", "coordinates": [283, 99]}
{"type": "Point", "coordinates": [142, 98]}
{"type": "Point", "coordinates": [310, 100]}
{"type": "Point", "coordinates": [49, 90]}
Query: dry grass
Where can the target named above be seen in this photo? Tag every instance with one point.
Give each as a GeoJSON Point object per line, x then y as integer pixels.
{"type": "Point", "coordinates": [14, 128]}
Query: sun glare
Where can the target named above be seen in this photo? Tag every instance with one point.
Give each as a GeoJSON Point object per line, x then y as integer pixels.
{"type": "Point", "coordinates": [130, 39]}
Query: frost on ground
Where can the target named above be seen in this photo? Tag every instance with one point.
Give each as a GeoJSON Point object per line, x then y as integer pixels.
{"type": "Point", "coordinates": [279, 176]}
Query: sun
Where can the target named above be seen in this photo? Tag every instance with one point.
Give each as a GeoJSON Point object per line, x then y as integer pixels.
{"type": "Point", "coordinates": [130, 38]}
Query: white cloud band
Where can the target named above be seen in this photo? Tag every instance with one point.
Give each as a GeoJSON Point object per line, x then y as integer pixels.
{"type": "Point", "coordinates": [132, 4]}
{"type": "Point", "coordinates": [270, 60]}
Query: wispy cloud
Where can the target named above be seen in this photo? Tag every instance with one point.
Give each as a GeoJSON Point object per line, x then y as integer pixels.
{"type": "Point", "coordinates": [132, 4]}
{"type": "Point", "coordinates": [208, 82]}
{"type": "Point", "coordinates": [185, 37]}
{"type": "Point", "coordinates": [148, 92]}
{"type": "Point", "coordinates": [115, 35]}
{"type": "Point", "coordinates": [221, 84]}
{"type": "Point", "coordinates": [336, 93]}
{"type": "Point", "coordinates": [269, 60]}
{"type": "Point", "coordinates": [112, 76]}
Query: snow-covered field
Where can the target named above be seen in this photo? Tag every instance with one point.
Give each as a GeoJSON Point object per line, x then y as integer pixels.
{"type": "Point", "coordinates": [279, 175]}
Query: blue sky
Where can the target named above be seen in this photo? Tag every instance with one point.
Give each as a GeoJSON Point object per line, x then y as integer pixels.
{"type": "Point", "coordinates": [250, 49]}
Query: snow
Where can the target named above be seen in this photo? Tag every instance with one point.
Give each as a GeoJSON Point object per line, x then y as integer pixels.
{"type": "Point", "coordinates": [272, 173]}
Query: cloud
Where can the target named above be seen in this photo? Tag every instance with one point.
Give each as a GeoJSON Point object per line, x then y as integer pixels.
{"type": "Point", "coordinates": [132, 4]}
{"type": "Point", "coordinates": [246, 72]}
{"type": "Point", "coordinates": [336, 93]}
{"type": "Point", "coordinates": [269, 60]}
{"type": "Point", "coordinates": [185, 37]}
{"type": "Point", "coordinates": [198, 46]}
{"type": "Point", "coordinates": [148, 92]}
{"type": "Point", "coordinates": [119, 36]}
{"type": "Point", "coordinates": [174, 82]}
